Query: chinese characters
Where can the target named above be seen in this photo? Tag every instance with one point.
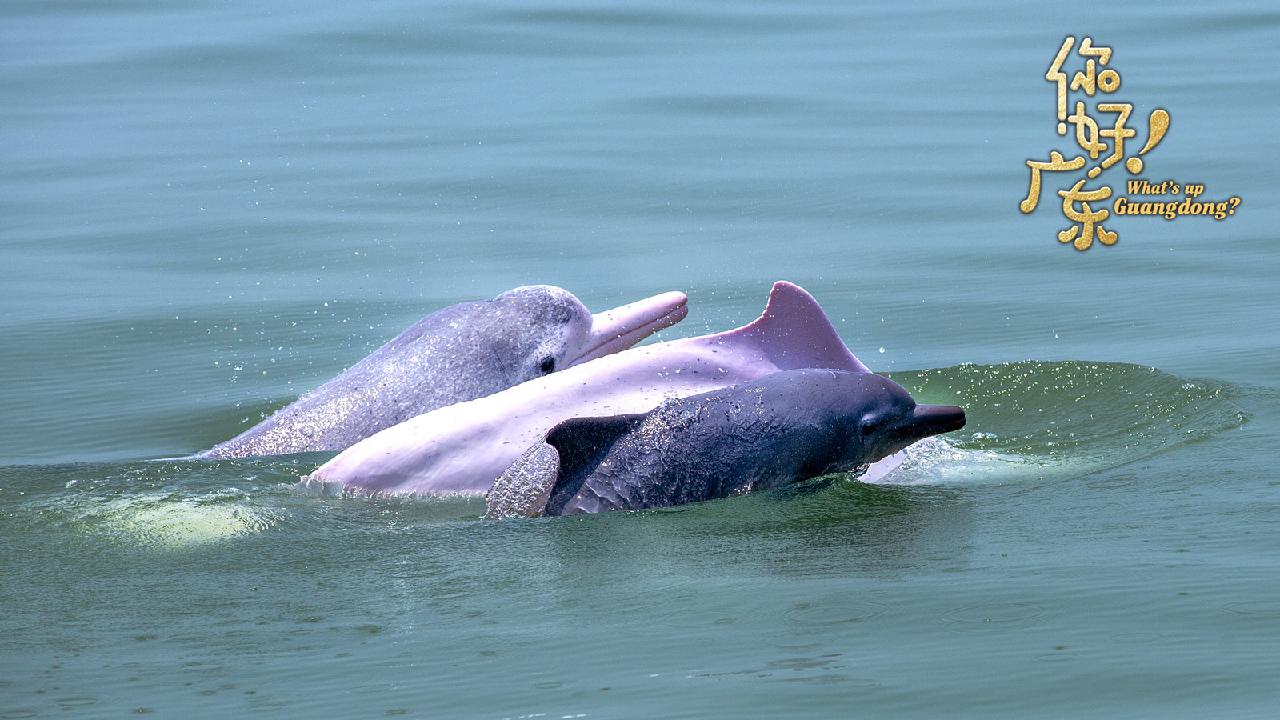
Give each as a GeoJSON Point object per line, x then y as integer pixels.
{"type": "Point", "coordinates": [1101, 132]}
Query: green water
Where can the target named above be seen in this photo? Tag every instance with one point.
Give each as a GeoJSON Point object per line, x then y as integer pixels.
{"type": "Point", "coordinates": [208, 208]}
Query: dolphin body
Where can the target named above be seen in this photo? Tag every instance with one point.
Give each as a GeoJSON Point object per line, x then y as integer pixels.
{"type": "Point", "coordinates": [463, 448]}
{"type": "Point", "coordinates": [458, 353]}
{"type": "Point", "coordinates": [760, 434]}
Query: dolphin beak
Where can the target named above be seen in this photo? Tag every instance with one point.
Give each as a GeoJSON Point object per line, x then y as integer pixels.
{"type": "Point", "coordinates": [927, 420]}
{"type": "Point", "coordinates": [622, 327]}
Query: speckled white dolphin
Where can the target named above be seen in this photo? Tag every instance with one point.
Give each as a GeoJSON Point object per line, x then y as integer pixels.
{"type": "Point", "coordinates": [463, 448]}
{"type": "Point", "coordinates": [461, 352]}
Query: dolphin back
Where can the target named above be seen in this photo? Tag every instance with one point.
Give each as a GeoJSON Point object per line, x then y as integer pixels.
{"type": "Point", "coordinates": [458, 353]}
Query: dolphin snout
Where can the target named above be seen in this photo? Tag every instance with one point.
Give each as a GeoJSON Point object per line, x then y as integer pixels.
{"type": "Point", "coordinates": [929, 420]}
{"type": "Point", "coordinates": [622, 327]}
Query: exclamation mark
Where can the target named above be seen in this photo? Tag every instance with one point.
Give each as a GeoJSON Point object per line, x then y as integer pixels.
{"type": "Point", "coordinates": [1157, 126]}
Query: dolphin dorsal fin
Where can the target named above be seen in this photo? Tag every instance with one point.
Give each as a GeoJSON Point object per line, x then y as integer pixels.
{"type": "Point", "coordinates": [794, 333]}
{"type": "Point", "coordinates": [551, 471]}
{"type": "Point", "coordinates": [581, 444]}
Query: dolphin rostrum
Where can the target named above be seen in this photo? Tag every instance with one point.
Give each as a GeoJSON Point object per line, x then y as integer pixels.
{"type": "Point", "coordinates": [458, 353]}
{"type": "Point", "coordinates": [463, 448]}
{"type": "Point", "coordinates": [760, 434]}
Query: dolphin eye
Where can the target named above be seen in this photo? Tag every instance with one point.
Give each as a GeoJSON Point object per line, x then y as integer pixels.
{"type": "Point", "coordinates": [870, 425]}
{"type": "Point", "coordinates": [548, 365]}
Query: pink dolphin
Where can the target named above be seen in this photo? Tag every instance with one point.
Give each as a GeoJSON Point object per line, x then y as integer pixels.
{"type": "Point", "coordinates": [463, 448]}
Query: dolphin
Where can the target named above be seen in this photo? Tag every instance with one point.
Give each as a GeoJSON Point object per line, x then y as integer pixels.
{"type": "Point", "coordinates": [463, 448]}
{"type": "Point", "coordinates": [759, 434]}
{"type": "Point", "coordinates": [458, 353]}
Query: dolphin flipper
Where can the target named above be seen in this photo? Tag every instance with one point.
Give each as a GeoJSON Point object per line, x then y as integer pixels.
{"type": "Point", "coordinates": [522, 490]}
{"type": "Point", "coordinates": [557, 465]}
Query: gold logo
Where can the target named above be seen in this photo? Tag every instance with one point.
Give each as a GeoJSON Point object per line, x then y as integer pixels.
{"type": "Point", "coordinates": [1104, 144]}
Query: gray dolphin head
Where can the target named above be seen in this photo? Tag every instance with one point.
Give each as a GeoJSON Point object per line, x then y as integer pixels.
{"type": "Point", "coordinates": [778, 429]}
{"type": "Point", "coordinates": [553, 330]}
{"type": "Point", "coordinates": [880, 417]}
{"type": "Point", "coordinates": [549, 331]}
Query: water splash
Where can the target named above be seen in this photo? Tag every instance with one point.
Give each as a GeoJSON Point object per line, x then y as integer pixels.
{"type": "Point", "coordinates": [1038, 419]}
{"type": "Point", "coordinates": [166, 520]}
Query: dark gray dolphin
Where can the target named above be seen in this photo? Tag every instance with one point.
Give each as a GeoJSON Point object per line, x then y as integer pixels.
{"type": "Point", "coordinates": [459, 353]}
{"type": "Point", "coordinates": [764, 433]}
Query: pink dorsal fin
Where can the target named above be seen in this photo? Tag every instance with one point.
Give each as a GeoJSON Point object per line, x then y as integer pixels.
{"type": "Point", "coordinates": [794, 333]}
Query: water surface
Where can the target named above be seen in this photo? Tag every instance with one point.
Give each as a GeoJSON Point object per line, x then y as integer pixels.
{"type": "Point", "coordinates": [209, 208]}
